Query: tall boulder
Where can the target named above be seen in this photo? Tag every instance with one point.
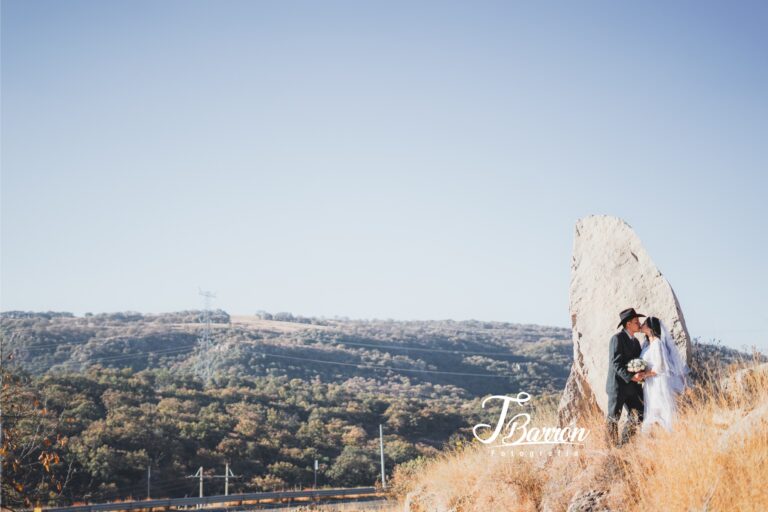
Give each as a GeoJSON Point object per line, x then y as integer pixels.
{"type": "Point", "coordinates": [610, 271]}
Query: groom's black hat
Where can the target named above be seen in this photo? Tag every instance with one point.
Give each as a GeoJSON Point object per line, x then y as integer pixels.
{"type": "Point", "coordinates": [628, 314]}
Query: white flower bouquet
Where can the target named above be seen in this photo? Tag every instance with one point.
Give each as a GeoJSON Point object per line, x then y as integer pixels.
{"type": "Point", "coordinates": [637, 365]}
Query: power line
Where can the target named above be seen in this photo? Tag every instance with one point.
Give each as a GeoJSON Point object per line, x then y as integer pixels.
{"type": "Point", "coordinates": [137, 354]}
{"type": "Point", "coordinates": [135, 490]}
{"type": "Point", "coordinates": [282, 356]}
{"type": "Point", "coordinates": [76, 344]}
{"type": "Point", "coordinates": [382, 367]}
{"type": "Point", "coordinates": [423, 349]}
{"type": "Point", "coordinates": [335, 342]}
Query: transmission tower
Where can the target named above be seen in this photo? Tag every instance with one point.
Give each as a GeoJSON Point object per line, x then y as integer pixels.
{"type": "Point", "coordinates": [204, 366]}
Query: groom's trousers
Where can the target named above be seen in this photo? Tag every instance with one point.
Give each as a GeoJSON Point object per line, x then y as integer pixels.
{"type": "Point", "coordinates": [625, 397]}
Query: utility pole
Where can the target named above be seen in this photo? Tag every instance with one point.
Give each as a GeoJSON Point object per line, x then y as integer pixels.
{"type": "Point", "coordinates": [226, 476]}
{"type": "Point", "coordinates": [201, 476]}
{"type": "Point", "coordinates": [315, 487]}
{"type": "Point", "coordinates": [381, 445]}
{"type": "Point", "coordinates": [149, 480]}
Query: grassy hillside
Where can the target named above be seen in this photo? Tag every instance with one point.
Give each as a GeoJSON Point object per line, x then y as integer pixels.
{"type": "Point", "coordinates": [714, 460]}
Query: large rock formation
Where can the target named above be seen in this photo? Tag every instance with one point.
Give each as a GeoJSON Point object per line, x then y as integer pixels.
{"type": "Point", "coordinates": [610, 271]}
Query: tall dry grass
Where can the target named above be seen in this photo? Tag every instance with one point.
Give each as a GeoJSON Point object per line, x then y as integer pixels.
{"type": "Point", "coordinates": [715, 459]}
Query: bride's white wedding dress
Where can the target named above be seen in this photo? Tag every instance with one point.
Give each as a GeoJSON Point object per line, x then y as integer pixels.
{"type": "Point", "coordinates": [660, 391]}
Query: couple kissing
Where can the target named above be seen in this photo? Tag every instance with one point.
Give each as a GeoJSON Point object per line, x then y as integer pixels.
{"type": "Point", "coordinates": [644, 377]}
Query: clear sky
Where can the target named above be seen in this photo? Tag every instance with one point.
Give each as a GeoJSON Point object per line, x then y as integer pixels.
{"type": "Point", "coordinates": [406, 160]}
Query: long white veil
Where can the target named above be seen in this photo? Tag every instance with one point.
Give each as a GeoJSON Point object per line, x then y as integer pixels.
{"type": "Point", "coordinates": [678, 369]}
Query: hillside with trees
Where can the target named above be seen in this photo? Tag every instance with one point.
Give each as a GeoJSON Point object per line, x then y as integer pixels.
{"type": "Point", "coordinates": [119, 393]}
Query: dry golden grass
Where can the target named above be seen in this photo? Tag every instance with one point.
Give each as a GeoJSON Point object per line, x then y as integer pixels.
{"type": "Point", "coordinates": [693, 468]}
{"type": "Point", "coordinates": [254, 322]}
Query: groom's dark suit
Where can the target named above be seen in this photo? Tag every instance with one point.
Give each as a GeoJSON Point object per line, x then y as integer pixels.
{"type": "Point", "coordinates": [621, 390]}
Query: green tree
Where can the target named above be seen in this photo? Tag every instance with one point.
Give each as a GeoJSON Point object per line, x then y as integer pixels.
{"type": "Point", "coordinates": [355, 466]}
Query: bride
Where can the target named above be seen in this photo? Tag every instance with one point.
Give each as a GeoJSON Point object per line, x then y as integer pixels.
{"type": "Point", "coordinates": [665, 377]}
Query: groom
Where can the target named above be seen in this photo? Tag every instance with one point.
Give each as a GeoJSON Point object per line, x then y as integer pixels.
{"type": "Point", "coordinates": [623, 387]}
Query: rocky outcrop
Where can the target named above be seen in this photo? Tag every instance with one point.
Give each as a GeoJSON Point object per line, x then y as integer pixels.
{"type": "Point", "coordinates": [754, 423]}
{"type": "Point", "coordinates": [745, 382]}
{"type": "Point", "coordinates": [610, 271]}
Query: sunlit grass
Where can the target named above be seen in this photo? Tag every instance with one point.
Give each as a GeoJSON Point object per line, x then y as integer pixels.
{"type": "Point", "coordinates": [695, 467]}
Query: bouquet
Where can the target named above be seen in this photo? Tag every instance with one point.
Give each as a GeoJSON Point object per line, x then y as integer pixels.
{"type": "Point", "coordinates": [637, 365]}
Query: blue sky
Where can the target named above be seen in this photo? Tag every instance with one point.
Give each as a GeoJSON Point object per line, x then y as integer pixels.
{"type": "Point", "coordinates": [380, 160]}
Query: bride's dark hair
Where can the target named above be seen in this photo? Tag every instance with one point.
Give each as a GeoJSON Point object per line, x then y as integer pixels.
{"type": "Point", "coordinates": [654, 324]}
